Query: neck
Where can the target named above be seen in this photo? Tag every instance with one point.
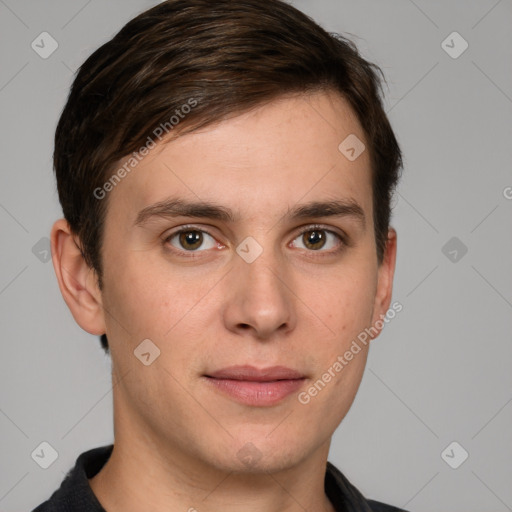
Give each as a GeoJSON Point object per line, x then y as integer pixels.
{"type": "Point", "coordinates": [138, 477]}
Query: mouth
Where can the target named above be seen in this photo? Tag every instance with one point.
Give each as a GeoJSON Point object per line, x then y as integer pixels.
{"type": "Point", "coordinates": [256, 387]}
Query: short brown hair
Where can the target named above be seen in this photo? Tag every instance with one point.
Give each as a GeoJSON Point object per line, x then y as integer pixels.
{"type": "Point", "coordinates": [228, 57]}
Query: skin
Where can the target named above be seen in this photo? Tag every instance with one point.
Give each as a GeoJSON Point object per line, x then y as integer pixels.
{"type": "Point", "coordinates": [176, 438]}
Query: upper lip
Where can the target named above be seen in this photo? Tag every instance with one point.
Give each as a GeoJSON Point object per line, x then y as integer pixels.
{"type": "Point", "coordinates": [250, 373]}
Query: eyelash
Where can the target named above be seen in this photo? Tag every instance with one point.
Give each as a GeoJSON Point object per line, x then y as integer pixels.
{"type": "Point", "coordinates": [193, 254]}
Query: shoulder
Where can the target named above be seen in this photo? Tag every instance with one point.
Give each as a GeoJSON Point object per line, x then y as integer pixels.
{"type": "Point", "coordinates": [345, 496]}
{"type": "Point", "coordinates": [42, 508]}
{"type": "Point", "coordinates": [377, 506]}
{"type": "Point", "coordinates": [75, 493]}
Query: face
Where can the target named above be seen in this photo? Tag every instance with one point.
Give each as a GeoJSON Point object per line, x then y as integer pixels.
{"type": "Point", "coordinates": [280, 270]}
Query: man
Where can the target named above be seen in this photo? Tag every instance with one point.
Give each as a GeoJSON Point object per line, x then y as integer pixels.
{"type": "Point", "coordinates": [225, 171]}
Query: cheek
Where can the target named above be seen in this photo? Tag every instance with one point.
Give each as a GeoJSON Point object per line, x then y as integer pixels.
{"type": "Point", "coordinates": [348, 305]}
{"type": "Point", "coordinates": [151, 299]}
{"type": "Point", "coordinates": [340, 359]}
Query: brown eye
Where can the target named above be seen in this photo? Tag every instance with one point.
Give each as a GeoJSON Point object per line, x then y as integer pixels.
{"type": "Point", "coordinates": [314, 239]}
{"type": "Point", "coordinates": [191, 239]}
{"type": "Point", "coordinates": [318, 239]}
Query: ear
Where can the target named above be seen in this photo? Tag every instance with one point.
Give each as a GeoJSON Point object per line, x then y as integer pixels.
{"type": "Point", "coordinates": [386, 273]}
{"type": "Point", "coordinates": [78, 282]}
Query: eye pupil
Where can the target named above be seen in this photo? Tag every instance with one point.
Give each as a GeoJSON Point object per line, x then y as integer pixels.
{"type": "Point", "coordinates": [191, 239]}
{"type": "Point", "coordinates": [312, 238]}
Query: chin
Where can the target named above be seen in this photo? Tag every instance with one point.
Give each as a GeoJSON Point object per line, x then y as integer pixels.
{"type": "Point", "coordinates": [261, 454]}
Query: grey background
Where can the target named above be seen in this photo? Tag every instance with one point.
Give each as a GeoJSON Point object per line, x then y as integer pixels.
{"type": "Point", "coordinates": [440, 372]}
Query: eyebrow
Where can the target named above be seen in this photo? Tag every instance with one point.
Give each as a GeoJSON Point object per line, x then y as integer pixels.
{"type": "Point", "coordinates": [170, 208]}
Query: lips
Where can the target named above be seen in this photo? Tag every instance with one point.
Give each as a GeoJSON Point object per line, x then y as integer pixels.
{"type": "Point", "coordinates": [256, 387]}
{"type": "Point", "coordinates": [250, 373]}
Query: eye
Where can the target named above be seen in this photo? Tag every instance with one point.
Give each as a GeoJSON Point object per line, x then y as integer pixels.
{"type": "Point", "coordinates": [191, 239]}
{"type": "Point", "coordinates": [316, 238]}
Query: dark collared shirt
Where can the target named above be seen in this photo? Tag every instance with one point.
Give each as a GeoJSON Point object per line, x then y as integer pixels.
{"type": "Point", "coordinates": [75, 493]}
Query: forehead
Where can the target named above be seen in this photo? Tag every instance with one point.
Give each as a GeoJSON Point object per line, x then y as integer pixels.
{"type": "Point", "coordinates": [264, 161]}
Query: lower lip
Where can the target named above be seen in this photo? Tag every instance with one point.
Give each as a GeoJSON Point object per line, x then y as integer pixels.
{"type": "Point", "coordinates": [257, 393]}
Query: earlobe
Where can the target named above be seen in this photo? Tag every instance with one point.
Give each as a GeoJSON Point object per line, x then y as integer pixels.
{"type": "Point", "coordinates": [385, 281]}
{"type": "Point", "coordinates": [77, 281]}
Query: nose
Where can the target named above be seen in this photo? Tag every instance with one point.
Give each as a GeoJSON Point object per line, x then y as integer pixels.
{"type": "Point", "coordinates": [260, 299]}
